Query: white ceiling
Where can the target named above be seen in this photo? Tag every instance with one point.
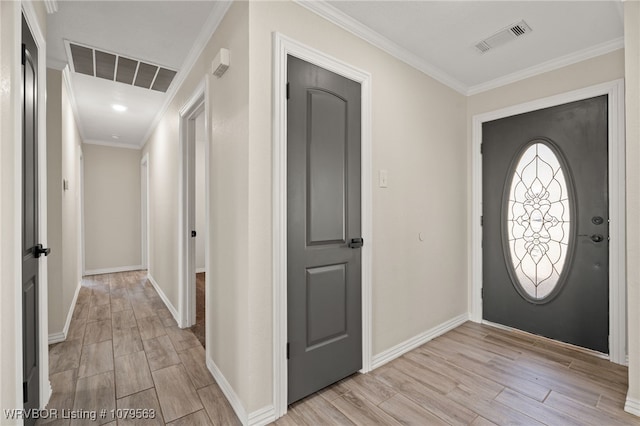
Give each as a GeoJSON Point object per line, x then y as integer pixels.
{"type": "Point", "coordinates": [437, 37]}
{"type": "Point", "coordinates": [159, 32]}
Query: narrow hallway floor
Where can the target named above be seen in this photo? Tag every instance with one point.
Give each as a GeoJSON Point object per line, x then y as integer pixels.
{"type": "Point", "coordinates": [125, 351]}
{"type": "Point", "coordinates": [199, 327]}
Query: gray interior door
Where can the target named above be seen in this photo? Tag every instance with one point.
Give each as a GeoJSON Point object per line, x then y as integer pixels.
{"type": "Point", "coordinates": [323, 228]}
{"type": "Point", "coordinates": [31, 249]}
{"type": "Point", "coordinates": [546, 226]}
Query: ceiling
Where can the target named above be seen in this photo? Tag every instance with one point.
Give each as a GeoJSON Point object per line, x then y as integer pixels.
{"type": "Point", "coordinates": [159, 32]}
{"type": "Point", "coordinates": [437, 37]}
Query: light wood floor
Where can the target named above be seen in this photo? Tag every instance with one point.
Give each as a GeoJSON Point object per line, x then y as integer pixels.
{"type": "Point", "coordinates": [476, 375]}
{"type": "Point", "coordinates": [124, 350]}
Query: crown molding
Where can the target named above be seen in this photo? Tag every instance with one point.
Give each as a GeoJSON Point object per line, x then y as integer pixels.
{"type": "Point", "coordinates": [51, 5]}
{"type": "Point", "coordinates": [218, 12]}
{"type": "Point", "coordinates": [346, 22]}
{"type": "Point", "coordinates": [563, 61]}
{"type": "Point", "coordinates": [111, 144]}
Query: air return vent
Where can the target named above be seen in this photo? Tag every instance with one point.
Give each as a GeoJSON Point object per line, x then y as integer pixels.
{"type": "Point", "coordinates": [503, 36]}
{"type": "Point", "coordinates": [111, 66]}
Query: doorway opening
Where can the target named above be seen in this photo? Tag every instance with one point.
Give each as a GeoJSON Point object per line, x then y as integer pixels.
{"type": "Point", "coordinates": [194, 212]}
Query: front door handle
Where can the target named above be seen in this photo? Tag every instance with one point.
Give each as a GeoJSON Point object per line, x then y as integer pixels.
{"type": "Point", "coordinates": [597, 238]}
{"type": "Point", "coordinates": [356, 243]}
{"type": "Point", "coordinates": [38, 251]}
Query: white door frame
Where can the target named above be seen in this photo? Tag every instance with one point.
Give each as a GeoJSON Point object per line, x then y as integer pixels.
{"type": "Point", "coordinates": [43, 323]}
{"type": "Point", "coordinates": [283, 46]}
{"type": "Point", "coordinates": [144, 210]}
{"type": "Point", "coordinates": [198, 103]}
{"type": "Point", "coordinates": [617, 227]}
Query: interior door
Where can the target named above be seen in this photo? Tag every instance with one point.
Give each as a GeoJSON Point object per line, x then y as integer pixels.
{"type": "Point", "coordinates": [545, 223]}
{"type": "Point", "coordinates": [324, 229]}
{"type": "Point", "coordinates": [31, 249]}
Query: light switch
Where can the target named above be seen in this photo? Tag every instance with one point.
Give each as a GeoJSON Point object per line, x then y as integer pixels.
{"type": "Point", "coordinates": [383, 178]}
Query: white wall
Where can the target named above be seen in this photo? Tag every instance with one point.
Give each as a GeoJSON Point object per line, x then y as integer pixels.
{"type": "Point", "coordinates": [200, 193]}
{"type": "Point", "coordinates": [632, 97]}
{"type": "Point", "coordinates": [112, 209]}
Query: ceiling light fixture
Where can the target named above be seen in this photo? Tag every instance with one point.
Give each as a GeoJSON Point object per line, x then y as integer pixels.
{"type": "Point", "coordinates": [115, 136]}
{"type": "Point", "coordinates": [119, 108]}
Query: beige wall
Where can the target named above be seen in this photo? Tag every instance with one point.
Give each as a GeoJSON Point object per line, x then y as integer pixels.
{"type": "Point", "coordinates": [71, 209]}
{"type": "Point", "coordinates": [419, 137]}
{"type": "Point", "coordinates": [112, 208]}
{"type": "Point", "coordinates": [632, 98]}
{"type": "Point", "coordinates": [228, 333]}
{"type": "Point", "coordinates": [63, 207]}
{"type": "Point", "coordinates": [57, 313]}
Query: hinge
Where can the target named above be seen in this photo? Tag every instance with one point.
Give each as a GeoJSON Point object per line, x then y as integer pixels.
{"type": "Point", "coordinates": [481, 220]}
{"type": "Point", "coordinates": [287, 90]}
{"type": "Point", "coordinates": [25, 392]}
{"type": "Point", "coordinates": [481, 148]}
{"type": "Point", "coordinates": [287, 350]}
{"type": "Point", "coordinates": [24, 53]}
{"type": "Point", "coordinates": [482, 293]}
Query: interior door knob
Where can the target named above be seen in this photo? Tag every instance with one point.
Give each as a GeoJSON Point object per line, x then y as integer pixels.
{"type": "Point", "coordinates": [38, 251]}
{"type": "Point", "coordinates": [356, 243]}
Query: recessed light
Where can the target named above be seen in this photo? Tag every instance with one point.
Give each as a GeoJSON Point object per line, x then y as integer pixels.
{"type": "Point", "coordinates": [115, 136]}
{"type": "Point", "coordinates": [119, 108]}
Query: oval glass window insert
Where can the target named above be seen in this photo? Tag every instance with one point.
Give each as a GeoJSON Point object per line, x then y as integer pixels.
{"type": "Point", "coordinates": [538, 221]}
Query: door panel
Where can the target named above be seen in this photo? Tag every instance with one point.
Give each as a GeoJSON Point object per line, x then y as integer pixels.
{"type": "Point", "coordinates": [323, 210]}
{"type": "Point", "coordinates": [576, 311]}
{"type": "Point", "coordinates": [30, 278]}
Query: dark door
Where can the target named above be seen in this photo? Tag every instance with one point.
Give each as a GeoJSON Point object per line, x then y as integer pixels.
{"type": "Point", "coordinates": [324, 256]}
{"type": "Point", "coordinates": [31, 250]}
{"type": "Point", "coordinates": [546, 227]}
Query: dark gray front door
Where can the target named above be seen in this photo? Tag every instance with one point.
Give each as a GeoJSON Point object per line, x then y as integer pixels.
{"type": "Point", "coordinates": [546, 226]}
{"type": "Point", "coordinates": [324, 259]}
{"type": "Point", "coordinates": [31, 250]}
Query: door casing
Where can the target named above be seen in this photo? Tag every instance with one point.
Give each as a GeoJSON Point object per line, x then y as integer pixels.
{"type": "Point", "coordinates": [198, 103]}
{"type": "Point", "coordinates": [43, 324]}
{"type": "Point", "coordinates": [616, 162]}
{"type": "Point", "coordinates": [283, 46]}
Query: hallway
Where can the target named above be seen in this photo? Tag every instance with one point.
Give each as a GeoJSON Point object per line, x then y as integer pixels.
{"type": "Point", "coordinates": [124, 350]}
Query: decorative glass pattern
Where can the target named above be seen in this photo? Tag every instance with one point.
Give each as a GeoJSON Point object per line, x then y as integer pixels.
{"type": "Point", "coordinates": [538, 221]}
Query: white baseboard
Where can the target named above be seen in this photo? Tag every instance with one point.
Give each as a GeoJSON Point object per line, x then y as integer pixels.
{"type": "Point", "coordinates": [62, 335]}
{"type": "Point", "coordinates": [263, 416]}
{"type": "Point", "coordinates": [422, 338]}
{"type": "Point", "coordinates": [228, 391]}
{"type": "Point", "coordinates": [632, 406]}
{"type": "Point", "coordinates": [164, 298]}
{"type": "Point", "coordinates": [201, 270]}
{"type": "Point", "coordinates": [113, 270]}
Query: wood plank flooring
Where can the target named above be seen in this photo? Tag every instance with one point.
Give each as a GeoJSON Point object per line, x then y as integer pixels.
{"type": "Point", "coordinates": [124, 350]}
{"type": "Point", "coordinates": [476, 375]}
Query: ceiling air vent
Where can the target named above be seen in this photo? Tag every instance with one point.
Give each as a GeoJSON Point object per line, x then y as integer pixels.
{"type": "Point", "coordinates": [503, 36]}
{"type": "Point", "coordinates": [111, 66]}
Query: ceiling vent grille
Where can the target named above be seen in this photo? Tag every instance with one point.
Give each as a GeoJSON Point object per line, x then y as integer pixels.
{"type": "Point", "coordinates": [111, 66]}
{"type": "Point", "coordinates": [503, 36]}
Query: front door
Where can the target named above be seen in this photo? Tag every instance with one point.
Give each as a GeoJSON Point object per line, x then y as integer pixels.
{"type": "Point", "coordinates": [545, 223]}
{"type": "Point", "coordinates": [323, 228]}
{"type": "Point", "coordinates": [31, 249]}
